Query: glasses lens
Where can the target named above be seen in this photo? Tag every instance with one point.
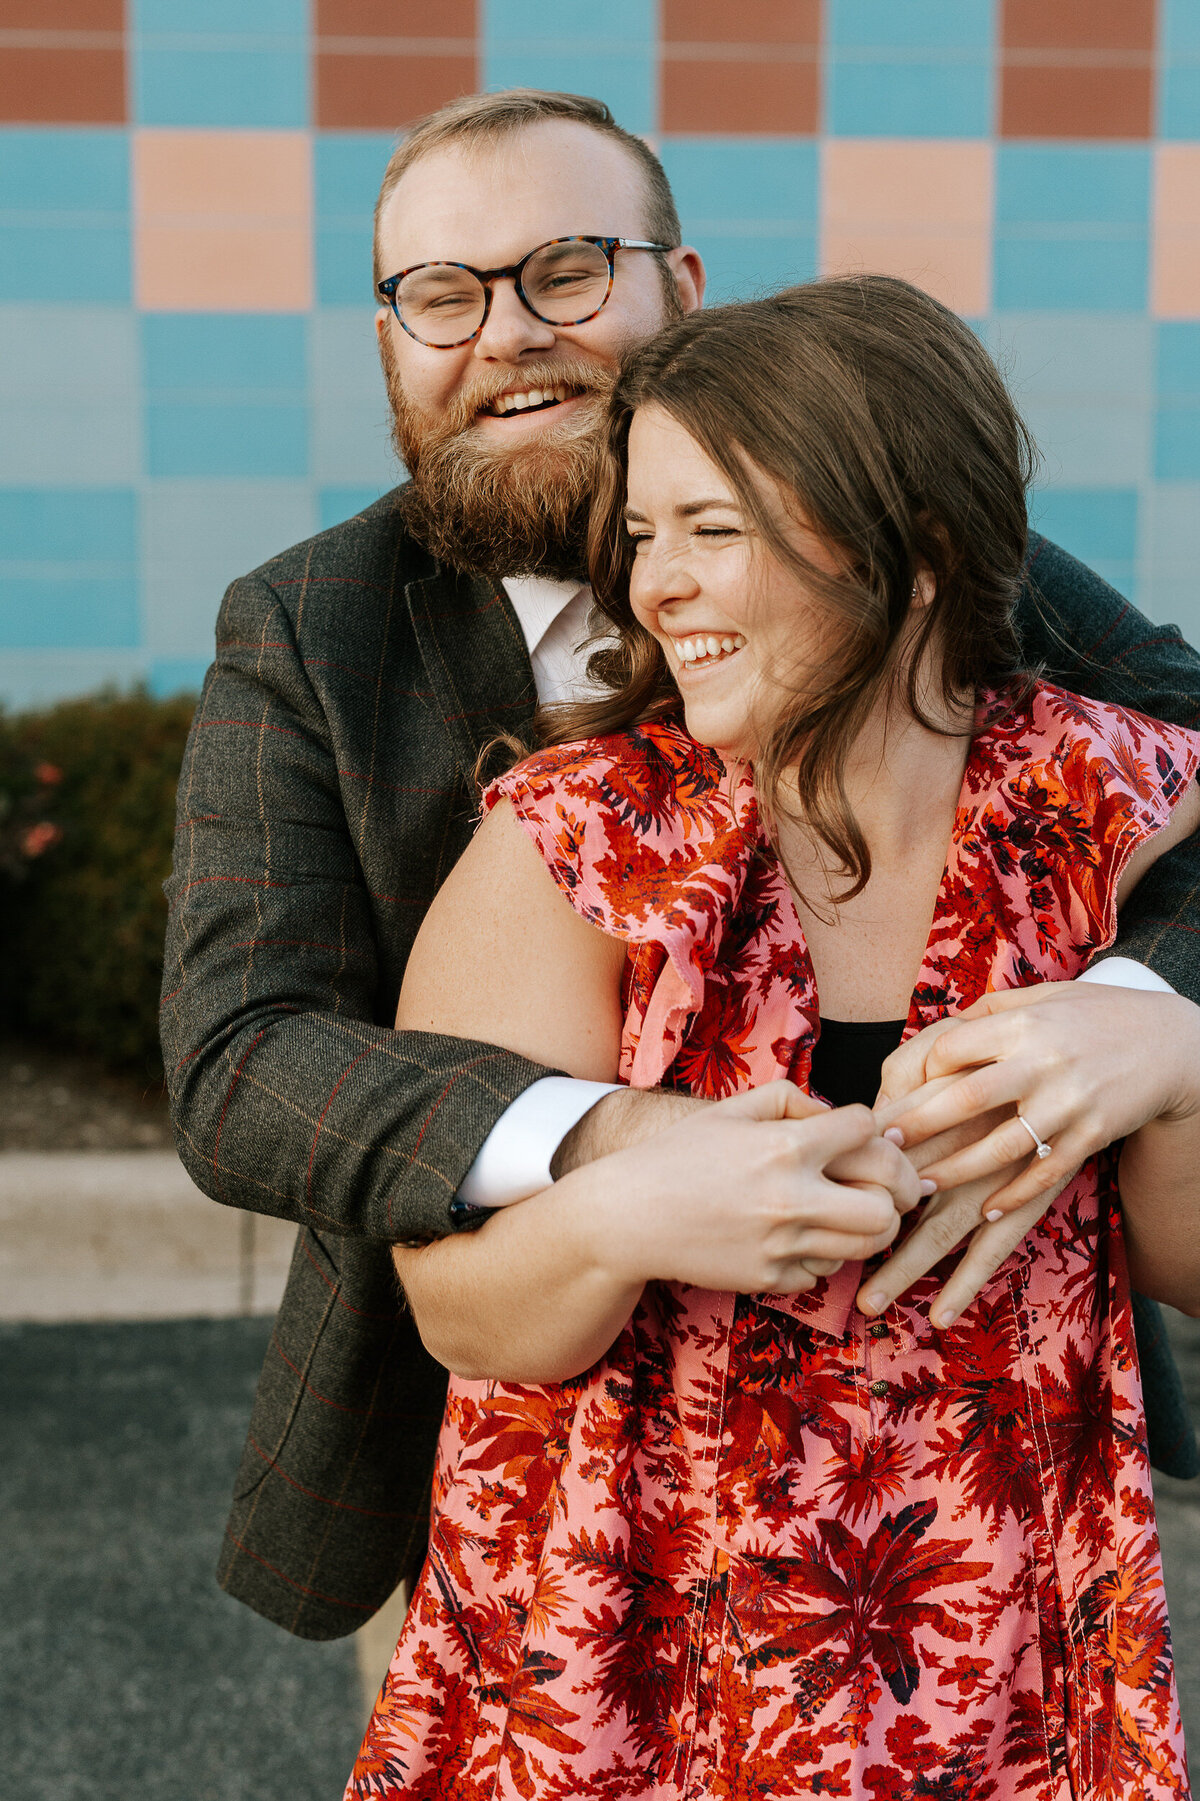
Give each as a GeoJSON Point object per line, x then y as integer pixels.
{"type": "Point", "coordinates": [566, 281]}
{"type": "Point", "coordinates": [441, 303]}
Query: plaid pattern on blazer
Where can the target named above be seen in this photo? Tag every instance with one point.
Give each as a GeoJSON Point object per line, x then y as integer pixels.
{"type": "Point", "coordinates": [325, 793]}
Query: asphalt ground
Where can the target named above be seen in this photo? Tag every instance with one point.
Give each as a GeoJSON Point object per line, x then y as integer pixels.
{"type": "Point", "coordinates": [124, 1671]}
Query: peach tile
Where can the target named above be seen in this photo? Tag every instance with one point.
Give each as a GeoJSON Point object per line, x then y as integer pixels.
{"type": "Point", "coordinates": [955, 270]}
{"type": "Point", "coordinates": [54, 86]}
{"type": "Point", "coordinates": [397, 19]}
{"type": "Point", "coordinates": [1078, 24]}
{"type": "Point", "coordinates": [908, 181]}
{"type": "Point", "coordinates": [381, 92]}
{"type": "Point", "coordinates": [222, 220]}
{"type": "Point", "coordinates": [1175, 252]}
{"type": "Point", "coordinates": [922, 210]}
{"type": "Point", "coordinates": [714, 94]}
{"type": "Point", "coordinates": [62, 15]}
{"type": "Point", "coordinates": [1073, 100]}
{"type": "Point", "coordinates": [751, 22]}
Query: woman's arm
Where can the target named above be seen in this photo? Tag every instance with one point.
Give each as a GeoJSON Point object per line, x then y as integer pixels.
{"type": "Point", "coordinates": [543, 1288]}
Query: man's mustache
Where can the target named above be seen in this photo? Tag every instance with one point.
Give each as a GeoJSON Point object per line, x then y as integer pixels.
{"type": "Point", "coordinates": [576, 373]}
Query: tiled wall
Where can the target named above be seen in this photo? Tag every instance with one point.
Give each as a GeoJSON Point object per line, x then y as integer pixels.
{"type": "Point", "coordinates": [187, 367]}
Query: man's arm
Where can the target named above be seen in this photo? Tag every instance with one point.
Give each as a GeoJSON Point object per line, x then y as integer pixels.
{"type": "Point", "coordinates": [290, 1095]}
{"type": "Point", "coordinates": [1091, 640]}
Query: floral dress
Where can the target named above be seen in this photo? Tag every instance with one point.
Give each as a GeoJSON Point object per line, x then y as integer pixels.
{"type": "Point", "coordinates": [763, 1548]}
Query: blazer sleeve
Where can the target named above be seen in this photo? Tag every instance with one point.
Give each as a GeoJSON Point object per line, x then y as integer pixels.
{"type": "Point", "coordinates": [288, 1094]}
{"type": "Point", "coordinates": [1087, 637]}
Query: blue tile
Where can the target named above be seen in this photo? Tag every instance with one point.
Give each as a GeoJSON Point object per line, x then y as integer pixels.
{"type": "Point", "coordinates": [348, 170]}
{"type": "Point", "coordinates": [625, 79]}
{"type": "Point", "coordinates": [1095, 524]}
{"type": "Point", "coordinates": [882, 97]}
{"type": "Point", "coordinates": [44, 261]}
{"type": "Point", "coordinates": [336, 504]}
{"type": "Point", "coordinates": [59, 169]}
{"type": "Point", "coordinates": [1177, 419]}
{"type": "Point", "coordinates": [57, 525]}
{"type": "Point", "coordinates": [64, 215]}
{"type": "Point", "coordinates": [193, 85]}
{"type": "Point", "coordinates": [1073, 185]}
{"type": "Point", "coordinates": [69, 571]}
{"type": "Point", "coordinates": [914, 24]}
{"type": "Point", "coordinates": [742, 267]}
{"type": "Point", "coordinates": [215, 438]}
{"type": "Point", "coordinates": [274, 17]}
{"type": "Point", "coordinates": [177, 675]}
{"type": "Point", "coordinates": [1178, 26]}
{"type": "Point", "coordinates": [262, 352]}
{"type": "Point", "coordinates": [1100, 272]}
{"type": "Point", "coordinates": [1177, 360]}
{"type": "Point", "coordinates": [629, 21]}
{"type": "Point", "coordinates": [1179, 100]}
{"type": "Point", "coordinates": [742, 180]}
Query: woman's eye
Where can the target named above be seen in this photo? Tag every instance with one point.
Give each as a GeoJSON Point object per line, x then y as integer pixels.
{"type": "Point", "coordinates": [637, 539]}
{"type": "Point", "coordinates": [716, 531]}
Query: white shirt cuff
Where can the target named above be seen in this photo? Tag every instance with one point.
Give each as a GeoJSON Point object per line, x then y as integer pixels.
{"type": "Point", "coordinates": [1124, 972]}
{"type": "Point", "coordinates": [514, 1161]}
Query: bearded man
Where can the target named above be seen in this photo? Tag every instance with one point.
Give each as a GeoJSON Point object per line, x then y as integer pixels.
{"type": "Point", "coordinates": [523, 240]}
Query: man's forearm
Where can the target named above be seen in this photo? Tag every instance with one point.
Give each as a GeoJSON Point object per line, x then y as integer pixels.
{"type": "Point", "coordinates": [619, 1121]}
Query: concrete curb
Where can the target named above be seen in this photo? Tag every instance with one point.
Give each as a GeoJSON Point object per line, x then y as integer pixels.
{"type": "Point", "coordinates": [127, 1235]}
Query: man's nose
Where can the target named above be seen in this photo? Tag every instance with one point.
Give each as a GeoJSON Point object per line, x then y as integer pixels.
{"type": "Point", "coordinates": [510, 329]}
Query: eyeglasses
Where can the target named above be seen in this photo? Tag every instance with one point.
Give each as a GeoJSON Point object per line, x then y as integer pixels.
{"type": "Point", "coordinates": [564, 282]}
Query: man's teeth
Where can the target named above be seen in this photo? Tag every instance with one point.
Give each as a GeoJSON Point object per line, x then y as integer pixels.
{"type": "Point", "coordinates": [692, 651]}
{"type": "Point", "coordinates": [519, 403]}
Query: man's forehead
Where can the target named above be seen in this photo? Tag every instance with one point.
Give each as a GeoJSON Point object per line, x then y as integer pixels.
{"type": "Point", "coordinates": [489, 203]}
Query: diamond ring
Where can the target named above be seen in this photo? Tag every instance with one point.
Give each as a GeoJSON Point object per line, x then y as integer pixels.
{"type": "Point", "coordinates": [1040, 1145]}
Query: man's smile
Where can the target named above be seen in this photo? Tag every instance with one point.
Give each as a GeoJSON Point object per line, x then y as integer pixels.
{"type": "Point", "coordinates": [529, 400]}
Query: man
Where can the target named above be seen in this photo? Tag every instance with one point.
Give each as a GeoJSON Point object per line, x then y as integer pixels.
{"type": "Point", "coordinates": [522, 241]}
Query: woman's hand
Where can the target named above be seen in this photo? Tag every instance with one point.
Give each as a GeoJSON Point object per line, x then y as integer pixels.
{"type": "Point", "coordinates": [798, 1189]}
{"type": "Point", "coordinates": [1083, 1065]}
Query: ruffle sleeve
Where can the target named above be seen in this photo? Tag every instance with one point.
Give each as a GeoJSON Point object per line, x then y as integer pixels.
{"type": "Point", "coordinates": [645, 835]}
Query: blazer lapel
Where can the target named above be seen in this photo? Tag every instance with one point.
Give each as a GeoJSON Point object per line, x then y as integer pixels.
{"type": "Point", "coordinates": [475, 660]}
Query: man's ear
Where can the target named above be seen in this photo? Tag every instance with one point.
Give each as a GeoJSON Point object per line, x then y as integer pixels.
{"type": "Point", "coordinates": [382, 316]}
{"type": "Point", "coordinates": [690, 278]}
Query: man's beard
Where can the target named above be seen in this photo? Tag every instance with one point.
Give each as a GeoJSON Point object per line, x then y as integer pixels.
{"type": "Point", "coordinates": [493, 510]}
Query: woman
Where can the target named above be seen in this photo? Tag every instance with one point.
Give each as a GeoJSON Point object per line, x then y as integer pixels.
{"type": "Point", "coordinates": [699, 1527]}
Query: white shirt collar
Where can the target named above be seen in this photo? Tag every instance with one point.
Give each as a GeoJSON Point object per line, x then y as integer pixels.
{"type": "Point", "coordinates": [537, 601]}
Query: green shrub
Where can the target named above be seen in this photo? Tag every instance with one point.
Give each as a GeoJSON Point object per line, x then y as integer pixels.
{"type": "Point", "coordinates": [83, 926]}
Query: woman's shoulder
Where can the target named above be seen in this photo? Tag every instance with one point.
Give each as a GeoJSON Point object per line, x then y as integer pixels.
{"type": "Point", "coordinates": [652, 777]}
{"type": "Point", "coordinates": [1117, 752]}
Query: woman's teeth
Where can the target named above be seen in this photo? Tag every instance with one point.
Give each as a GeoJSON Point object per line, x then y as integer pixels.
{"type": "Point", "coordinates": [692, 652]}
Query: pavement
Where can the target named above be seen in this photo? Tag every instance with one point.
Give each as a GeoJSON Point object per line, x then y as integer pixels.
{"type": "Point", "coordinates": [134, 1316]}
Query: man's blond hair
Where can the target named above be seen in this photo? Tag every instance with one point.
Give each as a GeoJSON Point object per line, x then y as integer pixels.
{"type": "Point", "coordinates": [485, 118]}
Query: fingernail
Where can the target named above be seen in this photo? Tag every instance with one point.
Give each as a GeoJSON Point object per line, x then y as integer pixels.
{"type": "Point", "coordinates": [894, 1135]}
{"type": "Point", "coordinates": [942, 1319]}
{"type": "Point", "coordinates": [993, 1213]}
{"type": "Point", "coordinates": [928, 1186]}
{"type": "Point", "coordinates": [876, 1302]}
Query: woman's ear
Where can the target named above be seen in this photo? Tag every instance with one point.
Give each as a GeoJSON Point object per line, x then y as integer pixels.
{"type": "Point", "coordinates": [925, 586]}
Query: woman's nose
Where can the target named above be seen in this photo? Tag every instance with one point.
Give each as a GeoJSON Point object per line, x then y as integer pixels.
{"type": "Point", "coordinates": [660, 577]}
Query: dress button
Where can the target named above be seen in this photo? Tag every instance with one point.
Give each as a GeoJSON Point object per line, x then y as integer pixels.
{"type": "Point", "coordinates": [878, 1328]}
{"type": "Point", "coordinates": [879, 1389]}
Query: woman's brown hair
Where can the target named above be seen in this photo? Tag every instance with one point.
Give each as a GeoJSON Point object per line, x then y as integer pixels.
{"type": "Point", "coordinates": [878, 413]}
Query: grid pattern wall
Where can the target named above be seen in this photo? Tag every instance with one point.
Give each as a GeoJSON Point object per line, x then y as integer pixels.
{"type": "Point", "coordinates": [187, 364]}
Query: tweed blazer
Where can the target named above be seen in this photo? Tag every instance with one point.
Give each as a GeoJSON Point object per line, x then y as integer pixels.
{"type": "Point", "coordinates": [326, 791]}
